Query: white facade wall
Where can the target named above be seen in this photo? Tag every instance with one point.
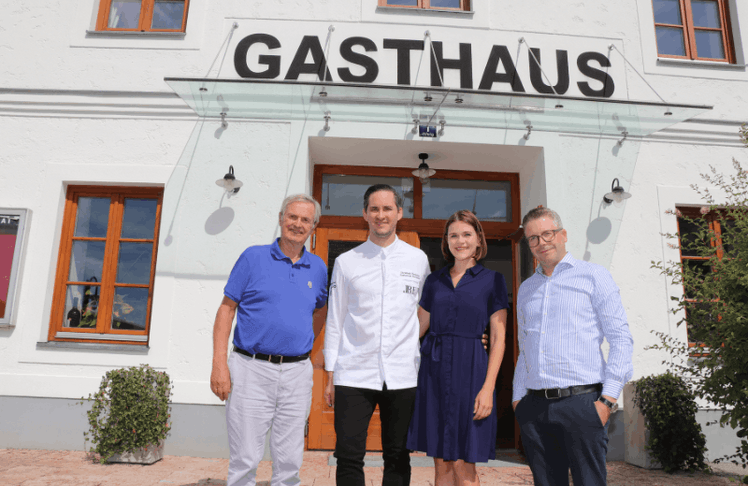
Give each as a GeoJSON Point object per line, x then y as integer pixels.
{"type": "Point", "coordinates": [78, 108]}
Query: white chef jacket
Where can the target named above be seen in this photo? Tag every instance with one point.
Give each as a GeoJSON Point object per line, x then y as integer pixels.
{"type": "Point", "coordinates": [371, 335]}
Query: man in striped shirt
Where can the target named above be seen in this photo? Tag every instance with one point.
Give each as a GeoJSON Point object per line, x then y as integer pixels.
{"type": "Point", "coordinates": [564, 391]}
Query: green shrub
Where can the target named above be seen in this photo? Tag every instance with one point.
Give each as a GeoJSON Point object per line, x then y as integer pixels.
{"type": "Point", "coordinates": [669, 409]}
{"type": "Point", "coordinates": [131, 410]}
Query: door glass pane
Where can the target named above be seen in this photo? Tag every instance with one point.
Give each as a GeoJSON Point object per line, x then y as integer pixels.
{"type": "Point", "coordinates": [124, 14]}
{"type": "Point", "coordinates": [709, 44]}
{"type": "Point", "coordinates": [670, 41]}
{"type": "Point", "coordinates": [93, 217]}
{"type": "Point", "coordinates": [445, 3]}
{"type": "Point", "coordinates": [489, 200]}
{"type": "Point", "coordinates": [86, 261]}
{"type": "Point", "coordinates": [81, 306]}
{"type": "Point", "coordinates": [134, 263]}
{"type": "Point", "coordinates": [130, 308]}
{"type": "Point", "coordinates": [403, 2]}
{"type": "Point", "coordinates": [667, 12]}
{"type": "Point", "coordinates": [343, 195]}
{"type": "Point", "coordinates": [8, 234]}
{"type": "Point", "coordinates": [168, 14]}
{"type": "Point", "coordinates": [139, 220]}
{"type": "Point", "coordinates": [705, 13]}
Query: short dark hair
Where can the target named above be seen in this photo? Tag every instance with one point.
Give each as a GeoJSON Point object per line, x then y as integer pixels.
{"type": "Point", "coordinates": [382, 187]}
{"type": "Point", "coordinates": [466, 217]}
{"type": "Point", "coordinates": [540, 212]}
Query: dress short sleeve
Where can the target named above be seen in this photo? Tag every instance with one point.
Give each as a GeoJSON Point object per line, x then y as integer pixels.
{"type": "Point", "coordinates": [427, 294]}
{"type": "Point", "coordinates": [498, 298]}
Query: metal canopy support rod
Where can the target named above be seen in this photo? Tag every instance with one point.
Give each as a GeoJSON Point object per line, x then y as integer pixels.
{"type": "Point", "coordinates": [547, 79]}
{"type": "Point", "coordinates": [667, 108]}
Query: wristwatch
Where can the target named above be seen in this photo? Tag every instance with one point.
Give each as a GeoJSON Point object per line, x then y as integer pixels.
{"type": "Point", "coordinates": [611, 406]}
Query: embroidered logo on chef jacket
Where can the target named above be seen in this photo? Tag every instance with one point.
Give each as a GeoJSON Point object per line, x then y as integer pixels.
{"type": "Point", "coordinates": [409, 289]}
{"type": "Point", "coordinates": [410, 275]}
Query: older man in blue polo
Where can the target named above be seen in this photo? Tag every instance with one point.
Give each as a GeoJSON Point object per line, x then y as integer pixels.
{"type": "Point", "coordinates": [274, 291]}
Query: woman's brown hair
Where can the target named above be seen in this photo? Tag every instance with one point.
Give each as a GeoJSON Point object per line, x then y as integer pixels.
{"type": "Point", "coordinates": [466, 217]}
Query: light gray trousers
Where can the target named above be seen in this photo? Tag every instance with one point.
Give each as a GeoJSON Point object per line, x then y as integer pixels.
{"type": "Point", "coordinates": [266, 396]}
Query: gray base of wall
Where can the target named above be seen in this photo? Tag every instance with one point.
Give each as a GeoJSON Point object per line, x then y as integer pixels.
{"type": "Point", "coordinates": [200, 430]}
{"type": "Point", "coordinates": [58, 424]}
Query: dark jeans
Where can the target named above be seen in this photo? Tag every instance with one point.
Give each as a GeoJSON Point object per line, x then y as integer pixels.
{"type": "Point", "coordinates": [563, 433]}
{"type": "Point", "coordinates": [353, 410]}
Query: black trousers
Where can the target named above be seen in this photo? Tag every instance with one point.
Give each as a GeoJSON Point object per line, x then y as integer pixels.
{"type": "Point", "coordinates": [353, 410]}
{"type": "Point", "coordinates": [562, 434]}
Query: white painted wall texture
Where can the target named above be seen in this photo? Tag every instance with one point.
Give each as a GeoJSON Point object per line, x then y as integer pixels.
{"type": "Point", "coordinates": [78, 108]}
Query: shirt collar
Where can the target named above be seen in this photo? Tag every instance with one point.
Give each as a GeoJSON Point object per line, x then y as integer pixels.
{"type": "Point", "coordinates": [278, 254]}
{"type": "Point", "coordinates": [386, 251]}
{"type": "Point", "coordinates": [567, 261]}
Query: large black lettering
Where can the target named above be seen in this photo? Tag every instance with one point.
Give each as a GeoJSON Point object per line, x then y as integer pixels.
{"type": "Point", "coordinates": [309, 44]}
{"type": "Point", "coordinates": [272, 62]}
{"type": "Point", "coordinates": [490, 76]}
{"type": "Point", "coordinates": [536, 76]}
{"type": "Point", "coordinates": [464, 64]}
{"type": "Point", "coordinates": [584, 67]}
{"type": "Point", "coordinates": [346, 51]}
{"type": "Point", "coordinates": [403, 47]}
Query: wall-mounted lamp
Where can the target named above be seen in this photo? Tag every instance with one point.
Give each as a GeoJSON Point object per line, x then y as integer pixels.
{"type": "Point", "coordinates": [616, 194]}
{"type": "Point", "coordinates": [423, 171]}
{"type": "Point", "coordinates": [229, 182]}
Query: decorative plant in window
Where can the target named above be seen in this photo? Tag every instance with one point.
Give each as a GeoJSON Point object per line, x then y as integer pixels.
{"type": "Point", "coordinates": [120, 309]}
{"type": "Point", "coordinates": [130, 411]}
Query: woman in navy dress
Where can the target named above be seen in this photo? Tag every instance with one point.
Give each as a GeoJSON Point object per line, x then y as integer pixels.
{"type": "Point", "coordinates": [454, 420]}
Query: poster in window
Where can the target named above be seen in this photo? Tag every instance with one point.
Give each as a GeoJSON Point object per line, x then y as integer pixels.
{"type": "Point", "coordinates": [9, 224]}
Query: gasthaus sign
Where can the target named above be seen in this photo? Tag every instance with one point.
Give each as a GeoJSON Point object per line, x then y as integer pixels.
{"type": "Point", "coordinates": [413, 56]}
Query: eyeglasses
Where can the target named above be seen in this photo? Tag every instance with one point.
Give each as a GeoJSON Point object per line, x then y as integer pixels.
{"type": "Point", "coordinates": [547, 236]}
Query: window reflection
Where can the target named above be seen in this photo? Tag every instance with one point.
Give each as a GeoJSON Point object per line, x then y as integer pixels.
{"type": "Point", "coordinates": [134, 263]}
{"type": "Point", "coordinates": [139, 218]}
{"type": "Point", "coordinates": [168, 14]}
{"type": "Point", "coordinates": [343, 195]}
{"type": "Point", "coordinates": [130, 308]}
{"type": "Point", "coordinates": [124, 14]}
{"type": "Point", "coordinates": [93, 217]}
{"type": "Point", "coordinates": [489, 200]}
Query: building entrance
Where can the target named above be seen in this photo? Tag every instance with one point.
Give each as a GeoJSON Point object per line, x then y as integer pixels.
{"type": "Point", "coordinates": [492, 196]}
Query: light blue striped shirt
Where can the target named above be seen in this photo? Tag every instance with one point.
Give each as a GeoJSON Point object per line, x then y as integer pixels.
{"type": "Point", "coordinates": [562, 320]}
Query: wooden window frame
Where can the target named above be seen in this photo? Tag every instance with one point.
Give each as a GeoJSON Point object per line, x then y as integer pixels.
{"type": "Point", "coordinates": [424, 227]}
{"type": "Point", "coordinates": [117, 195]}
{"type": "Point", "coordinates": [715, 224]}
{"type": "Point", "coordinates": [689, 35]}
{"type": "Point", "coordinates": [146, 18]}
{"type": "Point", "coordinates": [426, 5]}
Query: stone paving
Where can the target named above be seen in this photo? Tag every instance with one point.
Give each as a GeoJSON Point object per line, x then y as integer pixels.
{"type": "Point", "coordinates": [20, 467]}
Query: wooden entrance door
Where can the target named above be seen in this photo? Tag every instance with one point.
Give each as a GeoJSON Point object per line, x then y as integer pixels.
{"type": "Point", "coordinates": [328, 244]}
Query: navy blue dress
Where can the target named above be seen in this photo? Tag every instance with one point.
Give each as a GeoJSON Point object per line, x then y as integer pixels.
{"type": "Point", "coordinates": [454, 365]}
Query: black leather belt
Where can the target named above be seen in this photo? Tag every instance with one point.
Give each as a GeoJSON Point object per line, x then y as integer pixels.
{"type": "Point", "coordinates": [567, 392]}
{"type": "Point", "coordinates": [273, 358]}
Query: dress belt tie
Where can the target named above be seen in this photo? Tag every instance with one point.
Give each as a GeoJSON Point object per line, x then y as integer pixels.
{"type": "Point", "coordinates": [432, 343]}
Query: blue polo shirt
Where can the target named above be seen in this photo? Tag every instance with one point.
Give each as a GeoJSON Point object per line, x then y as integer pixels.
{"type": "Point", "coordinates": [276, 300]}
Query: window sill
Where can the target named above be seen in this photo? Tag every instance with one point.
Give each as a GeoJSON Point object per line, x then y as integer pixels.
{"type": "Point", "coordinates": [119, 34]}
{"type": "Point", "coordinates": [126, 348]}
{"type": "Point", "coordinates": [423, 10]}
{"type": "Point", "coordinates": [700, 64]}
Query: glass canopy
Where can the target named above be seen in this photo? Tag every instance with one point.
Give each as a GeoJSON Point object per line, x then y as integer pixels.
{"type": "Point", "coordinates": [295, 100]}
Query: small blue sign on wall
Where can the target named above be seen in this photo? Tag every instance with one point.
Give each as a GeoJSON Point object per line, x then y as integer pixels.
{"type": "Point", "coordinates": [427, 131]}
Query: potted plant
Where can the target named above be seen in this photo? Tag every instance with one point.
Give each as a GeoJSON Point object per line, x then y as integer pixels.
{"type": "Point", "coordinates": [130, 415]}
